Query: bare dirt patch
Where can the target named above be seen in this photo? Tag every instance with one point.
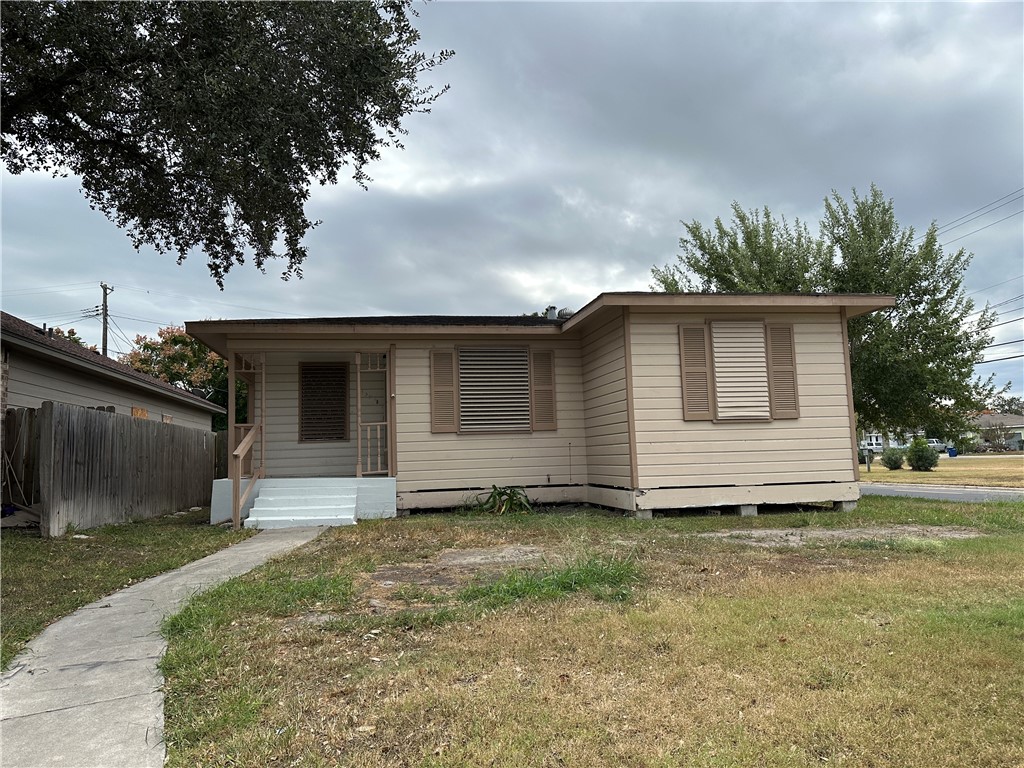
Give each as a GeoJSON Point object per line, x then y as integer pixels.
{"type": "Point", "coordinates": [418, 586]}
{"type": "Point", "coordinates": [798, 537]}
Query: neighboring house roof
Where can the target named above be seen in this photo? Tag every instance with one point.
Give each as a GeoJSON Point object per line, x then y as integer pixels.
{"type": "Point", "coordinates": [17, 333]}
{"type": "Point", "coordinates": [214, 333]}
{"type": "Point", "coordinates": [1010, 420]}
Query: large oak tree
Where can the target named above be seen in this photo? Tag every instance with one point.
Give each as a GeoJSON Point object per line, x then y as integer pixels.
{"type": "Point", "coordinates": [203, 124]}
{"type": "Point", "coordinates": [912, 365]}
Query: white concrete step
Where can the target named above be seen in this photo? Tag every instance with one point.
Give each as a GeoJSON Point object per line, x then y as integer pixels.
{"type": "Point", "coordinates": [315, 490]}
{"type": "Point", "coordinates": [265, 500]}
{"type": "Point", "coordinates": [296, 521]}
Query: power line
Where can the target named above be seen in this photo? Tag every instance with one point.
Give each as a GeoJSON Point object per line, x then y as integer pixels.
{"type": "Point", "coordinates": [51, 289]}
{"type": "Point", "coordinates": [144, 320]}
{"type": "Point", "coordinates": [1004, 343]}
{"type": "Point", "coordinates": [980, 290]}
{"type": "Point", "coordinates": [999, 359]}
{"type": "Point", "coordinates": [979, 229]}
{"type": "Point", "coordinates": [949, 225]}
{"type": "Point", "coordinates": [1015, 320]}
{"type": "Point", "coordinates": [944, 230]}
{"type": "Point", "coordinates": [1001, 303]}
{"type": "Point", "coordinates": [209, 301]}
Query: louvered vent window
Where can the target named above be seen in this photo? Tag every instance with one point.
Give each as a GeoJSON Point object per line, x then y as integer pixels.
{"type": "Point", "coordinates": [494, 390]}
{"type": "Point", "coordinates": [323, 401]}
{"type": "Point", "coordinates": [741, 371]}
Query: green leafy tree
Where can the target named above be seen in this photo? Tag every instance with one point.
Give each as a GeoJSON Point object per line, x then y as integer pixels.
{"type": "Point", "coordinates": [913, 365]}
{"type": "Point", "coordinates": [178, 359]}
{"type": "Point", "coordinates": [1003, 403]}
{"type": "Point", "coordinates": [203, 124]}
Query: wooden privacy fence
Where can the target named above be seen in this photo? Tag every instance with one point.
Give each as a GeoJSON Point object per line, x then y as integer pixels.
{"type": "Point", "coordinates": [82, 468]}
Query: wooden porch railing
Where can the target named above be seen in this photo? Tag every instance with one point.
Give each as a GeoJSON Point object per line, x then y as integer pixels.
{"type": "Point", "coordinates": [373, 448]}
{"type": "Point", "coordinates": [241, 465]}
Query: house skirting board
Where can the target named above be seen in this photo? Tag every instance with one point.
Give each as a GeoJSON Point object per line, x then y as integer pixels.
{"type": "Point", "coordinates": [629, 500]}
{"type": "Point", "coordinates": [625, 499]}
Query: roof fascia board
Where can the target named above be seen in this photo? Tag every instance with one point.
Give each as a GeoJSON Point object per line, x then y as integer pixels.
{"type": "Point", "coordinates": [855, 304]}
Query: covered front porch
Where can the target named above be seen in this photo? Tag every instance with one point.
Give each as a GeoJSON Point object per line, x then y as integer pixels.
{"type": "Point", "coordinates": [317, 419]}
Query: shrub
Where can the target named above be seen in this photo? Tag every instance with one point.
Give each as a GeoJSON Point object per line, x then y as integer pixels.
{"type": "Point", "coordinates": [920, 456]}
{"type": "Point", "coordinates": [892, 458]}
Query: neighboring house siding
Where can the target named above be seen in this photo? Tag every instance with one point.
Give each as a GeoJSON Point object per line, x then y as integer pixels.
{"type": "Point", "coordinates": [31, 381]}
{"type": "Point", "coordinates": [676, 453]}
{"type": "Point", "coordinates": [604, 395]}
{"type": "Point", "coordinates": [449, 461]}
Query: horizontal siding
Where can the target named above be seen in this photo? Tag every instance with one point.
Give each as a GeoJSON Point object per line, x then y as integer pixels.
{"type": "Point", "coordinates": [428, 461]}
{"type": "Point", "coordinates": [671, 452]}
{"type": "Point", "coordinates": [604, 397]}
{"type": "Point", "coordinates": [32, 381]}
{"type": "Point", "coordinates": [286, 455]}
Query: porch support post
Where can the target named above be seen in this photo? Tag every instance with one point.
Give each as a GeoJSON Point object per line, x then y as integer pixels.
{"type": "Point", "coordinates": [233, 466]}
{"type": "Point", "coordinates": [359, 414]}
{"type": "Point", "coordinates": [263, 413]}
{"type": "Point", "coordinates": [392, 415]}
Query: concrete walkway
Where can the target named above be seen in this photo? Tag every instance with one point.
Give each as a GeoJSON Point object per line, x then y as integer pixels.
{"type": "Point", "coordinates": [87, 691]}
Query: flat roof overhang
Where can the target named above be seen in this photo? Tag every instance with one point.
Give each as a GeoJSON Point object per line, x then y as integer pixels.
{"type": "Point", "coordinates": [215, 333]}
{"type": "Point", "coordinates": [855, 303]}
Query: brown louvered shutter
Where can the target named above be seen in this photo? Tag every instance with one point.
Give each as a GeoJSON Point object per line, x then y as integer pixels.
{"type": "Point", "coordinates": [494, 389]}
{"type": "Point", "coordinates": [323, 401]}
{"type": "Point", "coordinates": [695, 360]}
{"type": "Point", "coordinates": [542, 390]}
{"type": "Point", "coordinates": [442, 391]}
{"type": "Point", "coordinates": [782, 372]}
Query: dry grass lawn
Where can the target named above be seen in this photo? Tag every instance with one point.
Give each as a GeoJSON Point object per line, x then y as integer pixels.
{"type": "Point", "coordinates": [994, 471]}
{"type": "Point", "coordinates": [366, 649]}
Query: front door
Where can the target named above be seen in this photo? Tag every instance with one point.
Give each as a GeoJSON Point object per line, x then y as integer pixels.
{"type": "Point", "coordinates": [373, 409]}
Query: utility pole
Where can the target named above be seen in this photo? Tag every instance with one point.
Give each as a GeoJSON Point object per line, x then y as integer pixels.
{"type": "Point", "coordinates": [106, 290]}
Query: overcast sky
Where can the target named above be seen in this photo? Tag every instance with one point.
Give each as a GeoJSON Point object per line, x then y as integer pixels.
{"type": "Point", "coordinates": [574, 139]}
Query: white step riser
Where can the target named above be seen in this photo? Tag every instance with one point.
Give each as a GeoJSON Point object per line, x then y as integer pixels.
{"type": "Point", "coordinates": [332, 510]}
{"type": "Point", "coordinates": [297, 522]}
{"type": "Point", "coordinates": [320, 490]}
{"type": "Point", "coordinates": [263, 501]}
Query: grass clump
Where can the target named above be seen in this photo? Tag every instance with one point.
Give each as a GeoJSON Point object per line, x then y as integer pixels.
{"type": "Point", "coordinates": [44, 579]}
{"type": "Point", "coordinates": [605, 578]}
{"type": "Point", "coordinates": [504, 500]}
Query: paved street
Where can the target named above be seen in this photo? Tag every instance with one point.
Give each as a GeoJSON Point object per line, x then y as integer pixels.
{"type": "Point", "coordinates": [942, 492]}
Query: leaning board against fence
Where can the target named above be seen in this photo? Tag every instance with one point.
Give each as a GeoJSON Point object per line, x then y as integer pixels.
{"type": "Point", "coordinates": [91, 468]}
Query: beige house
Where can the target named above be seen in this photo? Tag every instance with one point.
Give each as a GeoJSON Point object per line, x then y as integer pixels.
{"type": "Point", "coordinates": [639, 401]}
{"type": "Point", "coordinates": [38, 367]}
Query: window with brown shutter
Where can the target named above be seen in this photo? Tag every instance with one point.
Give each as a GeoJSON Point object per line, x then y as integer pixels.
{"type": "Point", "coordinates": [542, 390]}
{"type": "Point", "coordinates": [323, 401]}
{"type": "Point", "coordinates": [782, 372]}
{"type": "Point", "coordinates": [443, 416]}
{"type": "Point", "coordinates": [492, 389]}
{"type": "Point", "coordinates": [738, 370]}
{"type": "Point", "coordinates": [695, 360]}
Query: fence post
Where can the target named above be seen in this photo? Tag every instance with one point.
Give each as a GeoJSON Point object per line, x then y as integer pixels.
{"type": "Point", "coordinates": [47, 485]}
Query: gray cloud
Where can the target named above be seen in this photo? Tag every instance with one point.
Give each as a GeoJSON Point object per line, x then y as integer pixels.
{"type": "Point", "coordinates": [573, 140]}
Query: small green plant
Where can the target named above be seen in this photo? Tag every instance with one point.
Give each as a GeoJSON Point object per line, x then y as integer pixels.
{"type": "Point", "coordinates": [920, 456]}
{"type": "Point", "coordinates": [505, 500]}
{"type": "Point", "coordinates": [892, 458]}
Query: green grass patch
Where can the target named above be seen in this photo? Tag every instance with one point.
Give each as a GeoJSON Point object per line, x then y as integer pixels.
{"type": "Point", "coordinates": [42, 580]}
{"type": "Point", "coordinates": [604, 578]}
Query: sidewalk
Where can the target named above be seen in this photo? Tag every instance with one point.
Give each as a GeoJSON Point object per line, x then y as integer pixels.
{"type": "Point", "coordinates": [87, 691]}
